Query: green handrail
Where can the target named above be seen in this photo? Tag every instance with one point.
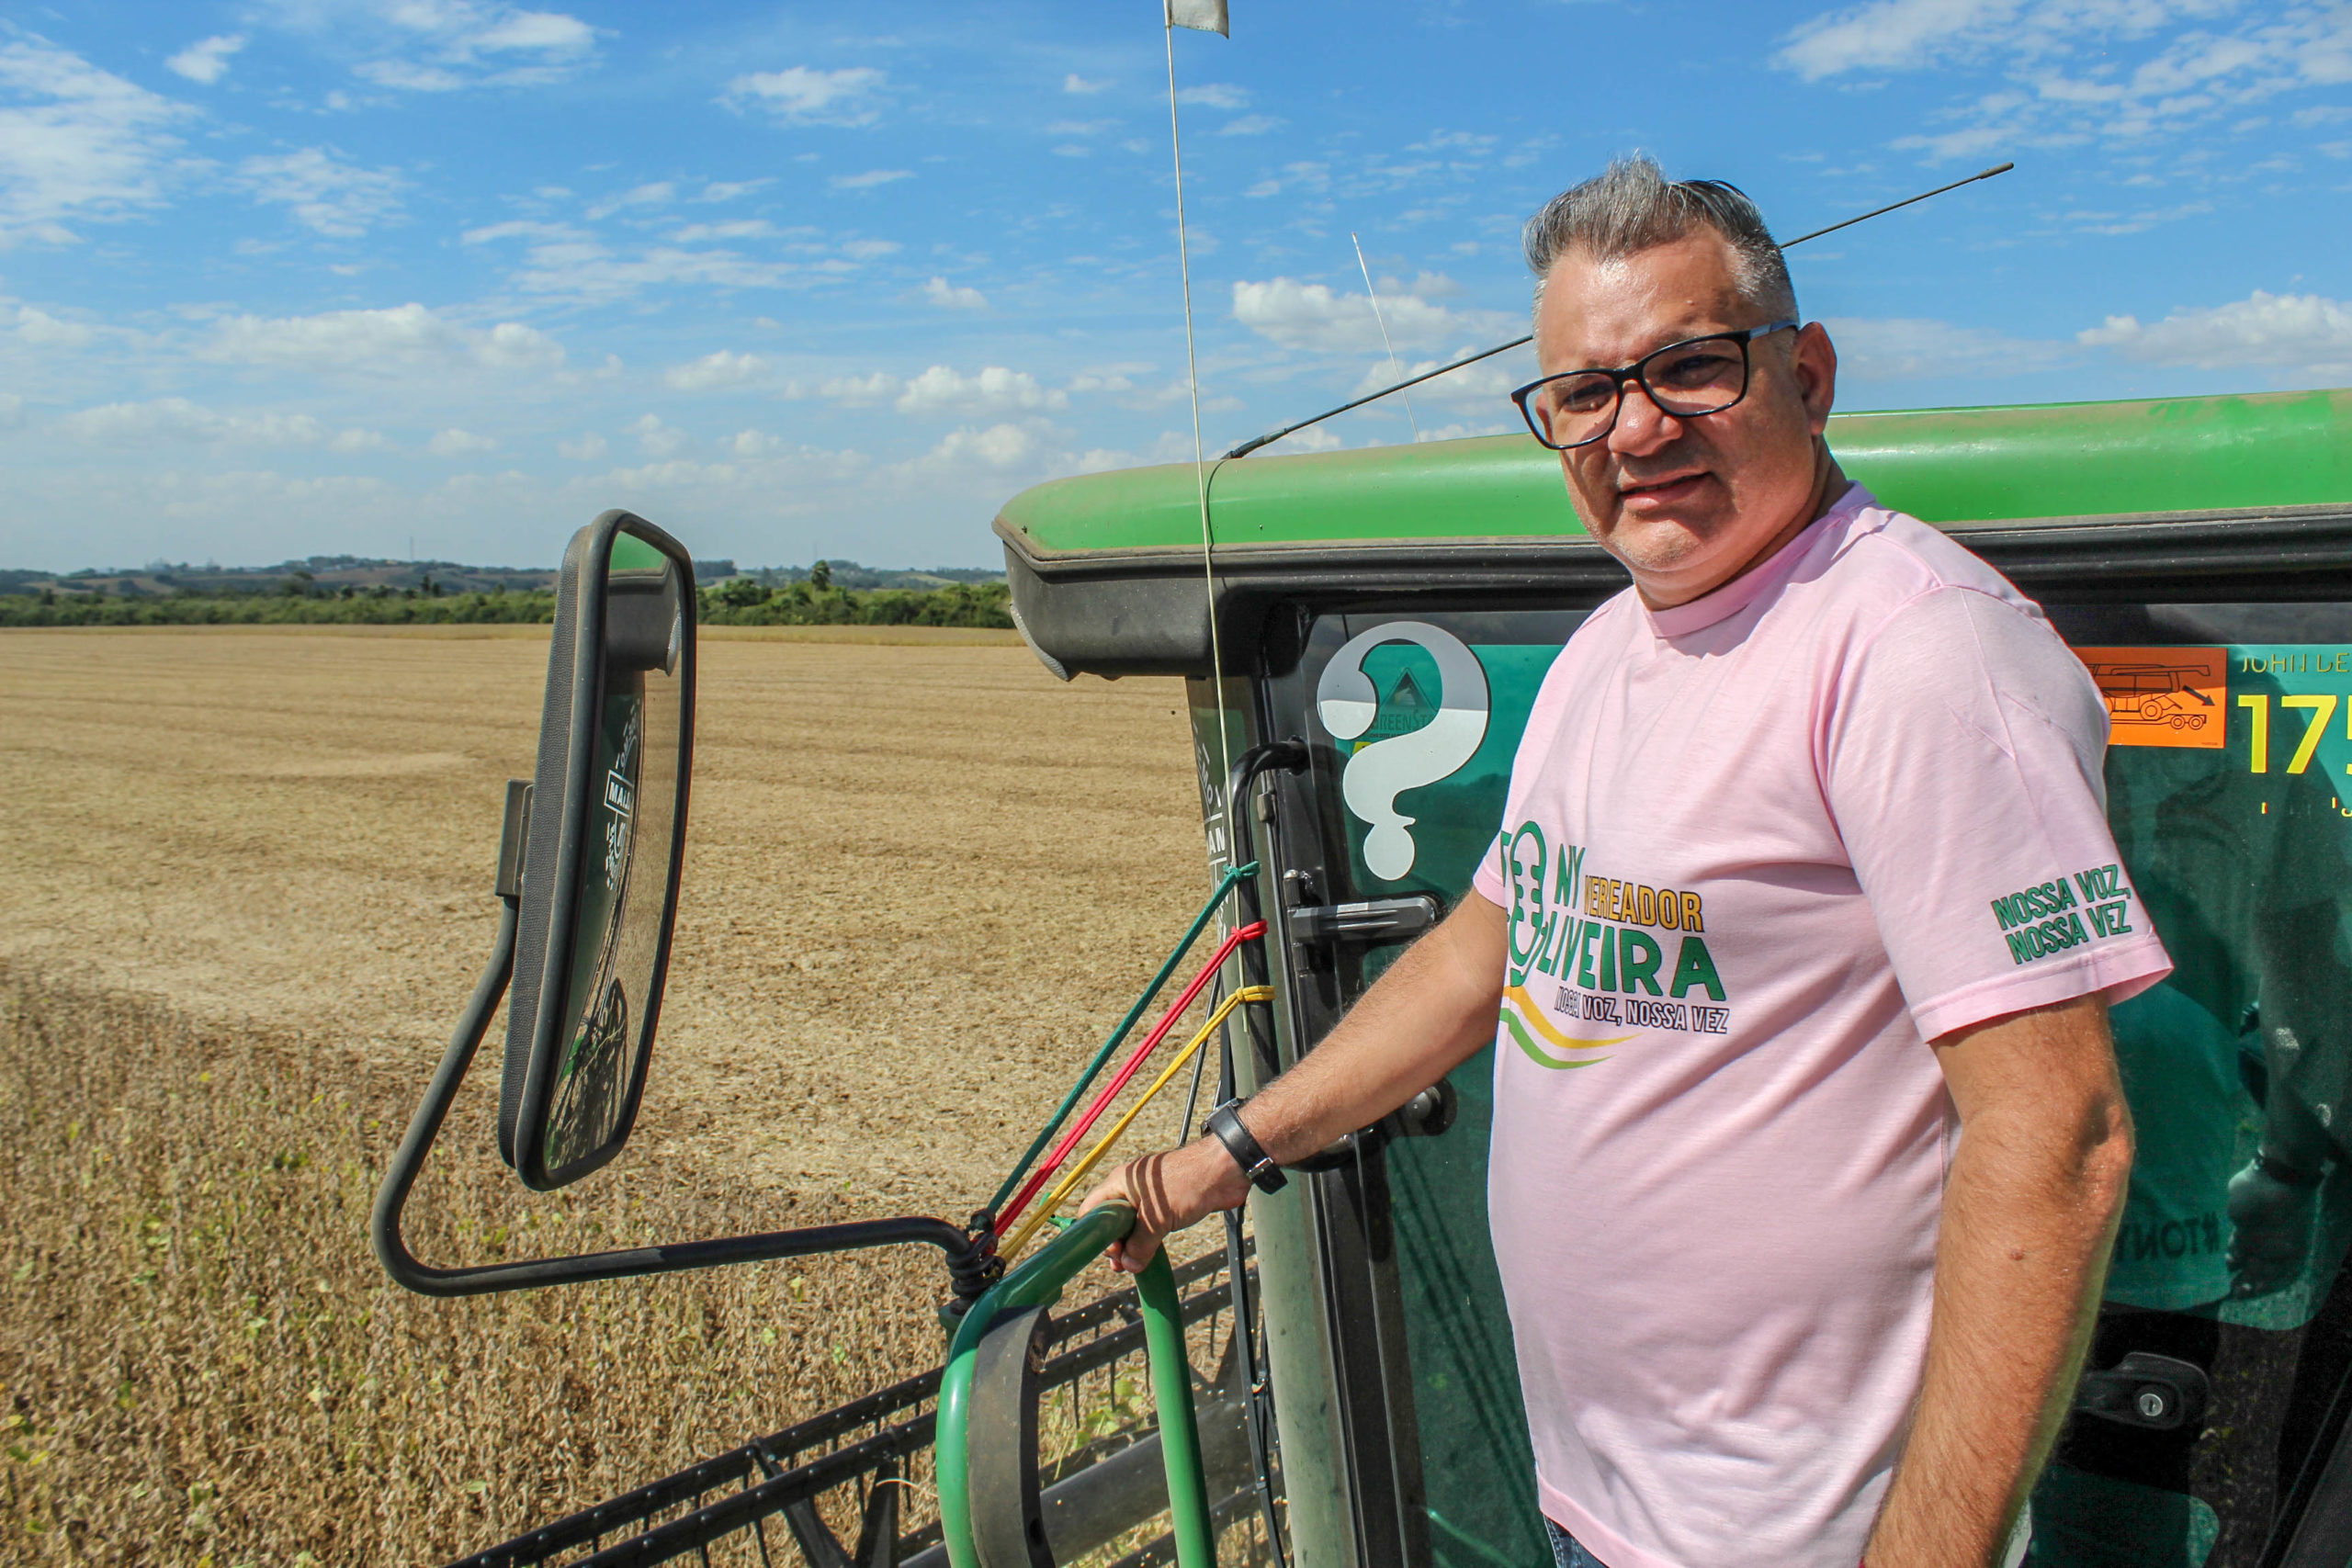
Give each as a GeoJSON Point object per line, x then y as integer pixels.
{"type": "Point", "coordinates": [1038, 1282]}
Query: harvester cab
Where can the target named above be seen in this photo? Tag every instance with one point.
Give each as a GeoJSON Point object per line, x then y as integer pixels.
{"type": "Point", "coordinates": [1360, 665]}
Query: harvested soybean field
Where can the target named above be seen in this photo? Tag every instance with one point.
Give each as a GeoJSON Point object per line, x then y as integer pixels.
{"type": "Point", "coordinates": [246, 884]}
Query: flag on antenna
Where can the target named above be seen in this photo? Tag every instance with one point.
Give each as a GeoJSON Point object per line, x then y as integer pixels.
{"type": "Point", "coordinates": [1205, 16]}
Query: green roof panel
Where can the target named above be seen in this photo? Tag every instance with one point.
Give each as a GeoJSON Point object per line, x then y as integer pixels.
{"type": "Point", "coordinates": [1963, 465]}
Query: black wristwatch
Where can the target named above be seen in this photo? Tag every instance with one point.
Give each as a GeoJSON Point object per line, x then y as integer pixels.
{"type": "Point", "coordinates": [1225, 1124]}
{"type": "Point", "coordinates": [2279, 1171]}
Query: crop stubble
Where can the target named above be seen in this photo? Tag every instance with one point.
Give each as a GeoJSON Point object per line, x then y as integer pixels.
{"type": "Point", "coordinates": [921, 881]}
{"type": "Point", "coordinates": [246, 878]}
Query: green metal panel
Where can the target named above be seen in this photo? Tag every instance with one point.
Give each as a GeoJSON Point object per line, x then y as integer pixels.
{"type": "Point", "coordinates": [1944, 465]}
{"type": "Point", "coordinates": [2093, 460]}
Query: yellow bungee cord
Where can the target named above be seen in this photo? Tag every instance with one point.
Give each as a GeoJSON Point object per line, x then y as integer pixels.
{"type": "Point", "coordinates": [1078, 1173]}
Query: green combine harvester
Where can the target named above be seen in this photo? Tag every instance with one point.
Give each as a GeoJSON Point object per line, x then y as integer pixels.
{"type": "Point", "coordinates": [1335, 1387]}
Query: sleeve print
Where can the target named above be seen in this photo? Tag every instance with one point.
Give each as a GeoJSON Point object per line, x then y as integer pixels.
{"type": "Point", "coordinates": [1964, 773]}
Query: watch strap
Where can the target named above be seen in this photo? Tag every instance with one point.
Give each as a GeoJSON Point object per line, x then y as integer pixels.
{"type": "Point", "coordinates": [1225, 1125]}
{"type": "Point", "coordinates": [2280, 1171]}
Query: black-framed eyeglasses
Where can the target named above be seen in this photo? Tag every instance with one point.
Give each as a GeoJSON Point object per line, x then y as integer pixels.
{"type": "Point", "coordinates": [1697, 375]}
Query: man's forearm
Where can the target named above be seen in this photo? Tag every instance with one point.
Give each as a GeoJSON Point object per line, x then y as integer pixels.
{"type": "Point", "coordinates": [1432, 1009]}
{"type": "Point", "coordinates": [2030, 1216]}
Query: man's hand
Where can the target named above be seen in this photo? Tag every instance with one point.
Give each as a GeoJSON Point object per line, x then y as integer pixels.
{"type": "Point", "coordinates": [2270, 1231]}
{"type": "Point", "coordinates": [1170, 1192]}
{"type": "Point", "coordinates": [2030, 1207]}
{"type": "Point", "coordinates": [1422, 1018]}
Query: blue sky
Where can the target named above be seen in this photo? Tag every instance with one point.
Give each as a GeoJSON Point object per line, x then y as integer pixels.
{"type": "Point", "coordinates": [296, 276]}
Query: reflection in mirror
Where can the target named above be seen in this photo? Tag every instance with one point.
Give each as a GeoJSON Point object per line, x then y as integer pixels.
{"type": "Point", "coordinates": [618, 922]}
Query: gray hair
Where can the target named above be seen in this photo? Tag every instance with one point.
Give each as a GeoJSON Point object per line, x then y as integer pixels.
{"type": "Point", "coordinates": [1631, 206]}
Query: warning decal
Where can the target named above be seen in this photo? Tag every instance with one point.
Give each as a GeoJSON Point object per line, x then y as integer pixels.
{"type": "Point", "coordinates": [2162, 696]}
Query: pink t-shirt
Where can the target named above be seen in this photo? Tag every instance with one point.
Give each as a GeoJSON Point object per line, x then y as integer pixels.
{"type": "Point", "coordinates": [1758, 849]}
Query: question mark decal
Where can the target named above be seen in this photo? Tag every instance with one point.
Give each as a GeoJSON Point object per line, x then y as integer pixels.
{"type": "Point", "coordinates": [1348, 702]}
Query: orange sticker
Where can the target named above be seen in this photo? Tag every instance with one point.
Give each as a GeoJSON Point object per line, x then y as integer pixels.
{"type": "Point", "coordinates": [2162, 696]}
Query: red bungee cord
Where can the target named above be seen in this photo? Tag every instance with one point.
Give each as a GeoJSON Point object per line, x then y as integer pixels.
{"type": "Point", "coordinates": [1052, 1162]}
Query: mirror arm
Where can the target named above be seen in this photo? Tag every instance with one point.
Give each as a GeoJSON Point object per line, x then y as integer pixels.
{"type": "Point", "coordinates": [972, 1268]}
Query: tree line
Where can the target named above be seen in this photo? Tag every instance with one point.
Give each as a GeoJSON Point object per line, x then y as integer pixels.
{"type": "Point", "coordinates": [738, 601]}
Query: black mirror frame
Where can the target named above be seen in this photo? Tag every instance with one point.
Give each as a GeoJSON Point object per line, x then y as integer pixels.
{"type": "Point", "coordinates": [562, 797]}
{"type": "Point", "coordinates": [972, 1263]}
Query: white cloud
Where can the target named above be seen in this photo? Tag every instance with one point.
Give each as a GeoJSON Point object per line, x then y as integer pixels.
{"type": "Point", "coordinates": [1252, 125]}
{"type": "Point", "coordinates": [326, 191]}
{"type": "Point", "coordinates": [741, 229]}
{"type": "Point", "coordinates": [1079, 86]}
{"type": "Point", "coordinates": [859, 391]}
{"type": "Point", "coordinates": [570, 262]}
{"type": "Point", "coordinates": [455, 442]}
{"type": "Point", "coordinates": [800, 96]}
{"type": "Point", "coordinates": [728, 190]}
{"type": "Point", "coordinates": [403, 337]}
{"type": "Point", "coordinates": [994, 391]}
{"type": "Point", "coordinates": [441, 46]}
{"type": "Point", "coordinates": [547, 32]}
{"type": "Point", "coordinates": [954, 297]}
{"type": "Point", "coordinates": [207, 59]}
{"type": "Point", "coordinates": [659, 440]}
{"type": "Point", "coordinates": [76, 142]}
{"type": "Point", "coordinates": [869, 179]}
{"type": "Point", "coordinates": [1215, 95]}
{"type": "Point", "coordinates": [1888, 34]}
{"type": "Point", "coordinates": [1872, 349]}
{"type": "Point", "coordinates": [998, 446]}
{"type": "Point", "coordinates": [12, 410]}
{"type": "Point", "coordinates": [176, 419]}
{"type": "Point", "coordinates": [581, 268]}
{"type": "Point", "coordinates": [408, 76]}
{"type": "Point", "coordinates": [2295, 334]}
{"type": "Point", "coordinates": [1309, 315]}
{"type": "Point", "coordinates": [1314, 438]}
{"type": "Point", "coordinates": [718, 369]}
{"type": "Point", "coordinates": [2117, 71]}
{"type": "Point", "coordinates": [1487, 382]}
{"type": "Point", "coordinates": [661, 193]}
{"type": "Point", "coordinates": [519, 229]}
{"type": "Point", "coordinates": [42, 329]}
{"type": "Point", "coordinates": [589, 448]}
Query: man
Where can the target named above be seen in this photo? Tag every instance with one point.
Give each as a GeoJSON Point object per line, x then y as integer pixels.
{"type": "Point", "coordinates": [1826, 787]}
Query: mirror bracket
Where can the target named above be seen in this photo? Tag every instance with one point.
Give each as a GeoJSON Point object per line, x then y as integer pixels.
{"type": "Point", "coordinates": [972, 1263]}
{"type": "Point", "coordinates": [512, 833]}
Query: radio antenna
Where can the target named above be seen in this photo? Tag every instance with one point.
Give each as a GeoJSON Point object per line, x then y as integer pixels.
{"type": "Point", "coordinates": [1374, 295]}
{"type": "Point", "coordinates": [1273, 435]}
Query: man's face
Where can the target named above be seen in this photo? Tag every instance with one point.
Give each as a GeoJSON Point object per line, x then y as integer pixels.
{"type": "Point", "coordinates": [1686, 503]}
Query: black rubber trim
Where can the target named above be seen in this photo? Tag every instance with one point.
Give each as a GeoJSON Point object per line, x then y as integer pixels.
{"type": "Point", "coordinates": [1143, 611]}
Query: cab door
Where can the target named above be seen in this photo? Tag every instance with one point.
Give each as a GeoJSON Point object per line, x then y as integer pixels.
{"type": "Point", "coordinates": [2212, 1424]}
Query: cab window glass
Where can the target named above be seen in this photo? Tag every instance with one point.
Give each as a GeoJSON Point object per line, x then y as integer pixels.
{"type": "Point", "coordinates": [2229, 779]}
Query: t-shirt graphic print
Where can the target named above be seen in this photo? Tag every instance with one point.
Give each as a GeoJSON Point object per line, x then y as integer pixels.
{"type": "Point", "coordinates": [1757, 850]}
{"type": "Point", "coordinates": [1622, 954]}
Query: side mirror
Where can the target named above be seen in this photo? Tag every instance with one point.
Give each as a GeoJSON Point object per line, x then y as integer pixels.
{"type": "Point", "coordinates": [606, 845]}
{"type": "Point", "coordinates": [584, 940]}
